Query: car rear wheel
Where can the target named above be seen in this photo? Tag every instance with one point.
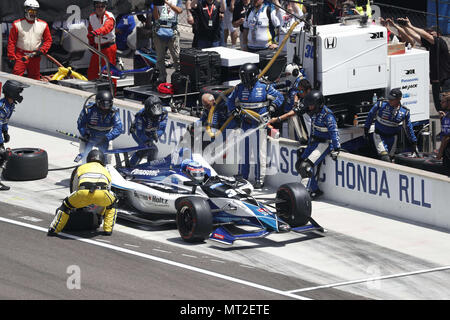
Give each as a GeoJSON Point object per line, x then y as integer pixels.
{"type": "Point", "coordinates": [296, 208]}
{"type": "Point", "coordinates": [194, 219]}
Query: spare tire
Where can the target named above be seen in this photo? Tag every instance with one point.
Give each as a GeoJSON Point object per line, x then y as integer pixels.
{"type": "Point", "coordinates": [214, 90]}
{"type": "Point", "coordinates": [26, 164]}
{"type": "Point", "coordinates": [409, 159]}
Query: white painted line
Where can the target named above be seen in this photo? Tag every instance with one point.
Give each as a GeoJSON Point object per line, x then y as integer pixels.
{"type": "Point", "coordinates": [32, 219]}
{"type": "Point", "coordinates": [188, 255]}
{"type": "Point", "coordinates": [346, 283]}
{"type": "Point", "coordinates": [130, 245]}
{"type": "Point", "coordinates": [219, 261]}
{"type": "Point", "coordinates": [107, 241]}
{"type": "Point", "coordinates": [159, 250]}
{"type": "Point", "coordinates": [161, 260]}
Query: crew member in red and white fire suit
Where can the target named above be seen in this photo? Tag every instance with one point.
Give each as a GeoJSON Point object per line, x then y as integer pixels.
{"type": "Point", "coordinates": [101, 28]}
{"type": "Point", "coordinates": [29, 38]}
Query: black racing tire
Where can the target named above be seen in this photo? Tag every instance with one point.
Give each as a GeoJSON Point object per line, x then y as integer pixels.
{"type": "Point", "coordinates": [83, 219]}
{"type": "Point", "coordinates": [214, 90]}
{"type": "Point", "coordinates": [410, 160]}
{"type": "Point", "coordinates": [194, 219]}
{"type": "Point", "coordinates": [26, 164]}
{"type": "Point", "coordinates": [434, 165]}
{"type": "Point", "coordinates": [296, 208]}
{"type": "Point", "coordinates": [72, 177]}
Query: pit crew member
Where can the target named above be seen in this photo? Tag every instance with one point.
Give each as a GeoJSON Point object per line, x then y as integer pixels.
{"type": "Point", "coordinates": [263, 99]}
{"type": "Point", "coordinates": [93, 185]}
{"type": "Point", "coordinates": [99, 124]}
{"type": "Point", "coordinates": [389, 117]}
{"type": "Point", "coordinates": [101, 28]}
{"type": "Point", "coordinates": [148, 125]}
{"type": "Point", "coordinates": [29, 38]}
{"type": "Point", "coordinates": [324, 140]}
{"type": "Point", "coordinates": [11, 91]}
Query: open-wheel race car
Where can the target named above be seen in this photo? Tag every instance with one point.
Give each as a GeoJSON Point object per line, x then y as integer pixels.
{"type": "Point", "coordinates": [204, 205]}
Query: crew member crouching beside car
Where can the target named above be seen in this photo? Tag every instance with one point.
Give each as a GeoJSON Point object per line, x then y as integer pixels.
{"type": "Point", "coordinates": [93, 186]}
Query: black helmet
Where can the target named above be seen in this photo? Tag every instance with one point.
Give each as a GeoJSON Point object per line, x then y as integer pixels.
{"type": "Point", "coordinates": [314, 98]}
{"type": "Point", "coordinates": [12, 89]}
{"type": "Point", "coordinates": [96, 155]}
{"type": "Point", "coordinates": [248, 73]}
{"type": "Point", "coordinates": [152, 107]}
{"type": "Point", "coordinates": [104, 100]}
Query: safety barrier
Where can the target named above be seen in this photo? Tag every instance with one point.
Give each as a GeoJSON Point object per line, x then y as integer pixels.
{"type": "Point", "coordinates": [396, 191]}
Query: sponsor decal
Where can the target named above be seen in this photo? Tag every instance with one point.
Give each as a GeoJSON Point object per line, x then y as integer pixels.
{"type": "Point", "coordinates": [141, 172]}
{"type": "Point", "coordinates": [219, 236]}
{"type": "Point", "coordinates": [380, 183]}
{"type": "Point", "coordinates": [330, 43]}
{"type": "Point", "coordinates": [376, 35]}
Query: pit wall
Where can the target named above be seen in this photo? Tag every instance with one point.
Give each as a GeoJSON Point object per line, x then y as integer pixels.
{"type": "Point", "coordinates": [396, 191]}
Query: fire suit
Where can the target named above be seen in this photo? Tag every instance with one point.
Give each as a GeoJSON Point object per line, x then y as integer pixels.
{"type": "Point", "coordinates": [324, 139]}
{"type": "Point", "coordinates": [104, 29]}
{"type": "Point", "coordinates": [6, 110]}
{"type": "Point", "coordinates": [257, 99]}
{"type": "Point", "coordinates": [98, 128]}
{"type": "Point", "coordinates": [26, 43]}
{"type": "Point", "coordinates": [93, 183]}
{"type": "Point", "coordinates": [146, 131]}
{"type": "Point", "coordinates": [388, 122]}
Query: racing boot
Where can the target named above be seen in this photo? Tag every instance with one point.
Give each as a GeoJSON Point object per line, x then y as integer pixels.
{"type": "Point", "coordinates": [3, 187]}
{"type": "Point", "coordinates": [315, 194]}
{"type": "Point", "coordinates": [109, 220]}
{"type": "Point", "coordinates": [58, 223]}
{"type": "Point", "coordinates": [258, 185]}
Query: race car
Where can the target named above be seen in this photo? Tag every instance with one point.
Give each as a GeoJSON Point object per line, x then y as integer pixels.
{"type": "Point", "coordinates": [207, 205]}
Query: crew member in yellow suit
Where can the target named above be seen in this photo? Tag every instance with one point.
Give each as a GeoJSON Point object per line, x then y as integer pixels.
{"type": "Point", "coordinates": [92, 186]}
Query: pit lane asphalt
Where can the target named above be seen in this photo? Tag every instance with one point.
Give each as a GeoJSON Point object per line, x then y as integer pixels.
{"type": "Point", "coordinates": [35, 266]}
{"type": "Point", "coordinates": [363, 255]}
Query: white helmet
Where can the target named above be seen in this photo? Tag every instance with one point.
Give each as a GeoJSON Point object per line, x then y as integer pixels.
{"type": "Point", "coordinates": [31, 4]}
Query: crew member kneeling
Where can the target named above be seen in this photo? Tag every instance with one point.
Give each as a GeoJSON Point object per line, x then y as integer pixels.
{"type": "Point", "coordinates": [324, 139]}
{"type": "Point", "coordinates": [93, 185]}
{"type": "Point", "coordinates": [389, 117]}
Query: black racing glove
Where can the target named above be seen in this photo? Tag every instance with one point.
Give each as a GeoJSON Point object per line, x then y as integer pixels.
{"type": "Point", "coordinates": [272, 108]}
{"type": "Point", "coordinates": [11, 63]}
{"type": "Point", "coordinates": [6, 137]}
{"type": "Point", "coordinates": [366, 133]}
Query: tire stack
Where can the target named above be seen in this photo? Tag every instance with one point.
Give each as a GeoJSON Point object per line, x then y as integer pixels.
{"type": "Point", "coordinates": [426, 161]}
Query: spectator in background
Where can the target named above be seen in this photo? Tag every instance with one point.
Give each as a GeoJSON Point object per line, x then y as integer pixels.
{"type": "Point", "coordinates": [444, 149]}
{"type": "Point", "coordinates": [287, 19]}
{"type": "Point", "coordinates": [209, 14]}
{"type": "Point", "coordinates": [240, 10]}
{"type": "Point", "coordinates": [329, 12]}
{"type": "Point", "coordinates": [166, 35]}
{"type": "Point", "coordinates": [125, 26]}
{"type": "Point", "coordinates": [363, 7]}
{"type": "Point", "coordinates": [260, 27]}
{"type": "Point", "coordinates": [397, 32]}
{"type": "Point", "coordinates": [192, 21]}
{"type": "Point", "coordinates": [228, 28]}
{"type": "Point", "coordinates": [439, 73]}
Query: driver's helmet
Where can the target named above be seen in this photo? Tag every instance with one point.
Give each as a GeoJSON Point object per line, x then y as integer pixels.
{"type": "Point", "coordinates": [193, 170]}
